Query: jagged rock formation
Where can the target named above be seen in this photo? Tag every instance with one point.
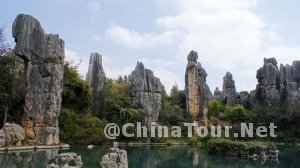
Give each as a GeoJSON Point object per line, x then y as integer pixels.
{"type": "Point", "coordinates": [115, 158]}
{"type": "Point", "coordinates": [43, 56]}
{"type": "Point", "coordinates": [218, 95]}
{"type": "Point", "coordinates": [67, 160]}
{"type": "Point", "coordinates": [229, 91]}
{"type": "Point", "coordinates": [198, 92]}
{"type": "Point", "coordinates": [277, 84]}
{"type": "Point", "coordinates": [146, 90]}
{"type": "Point", "coordinates": [95, 78]}
{"type": "Point", "coordinates": [11, 134]}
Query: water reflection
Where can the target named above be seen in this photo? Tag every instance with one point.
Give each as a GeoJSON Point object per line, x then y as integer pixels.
{"type": "Point", "coordinates": [195, 157]}
{"type": "Point", "coordinates": [151, 157]}
{"type": "Point", "coordinates": [26, 159]}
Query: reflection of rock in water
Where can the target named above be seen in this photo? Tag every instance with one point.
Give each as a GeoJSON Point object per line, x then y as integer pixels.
{"type": "Point", "coordinates": [39, 159]}
{"type": "Point", "coordinates": [196, 158]}
{"type": "Point", "coordinates": [115, 158]}
{"type": "Point", "coordinates": [26, 159]}
{"type": "Point", "coordinates": [65, 160]}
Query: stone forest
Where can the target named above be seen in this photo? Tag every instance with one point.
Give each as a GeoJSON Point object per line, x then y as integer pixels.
{"type": "Point", "coordinates": [47, 107]}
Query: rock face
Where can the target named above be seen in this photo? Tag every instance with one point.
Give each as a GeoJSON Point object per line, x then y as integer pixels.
{"type": "Point", "coordinates": [198, 92]}
{"type": "Point", "coordinates": [278, 84]}
{"type": "Point", "coordinates": [146, 90]}
{"type": "Point", "coordinates": [218, 95]}
{"type": "Point", "coordinates": [11, 134]}
{"type": "Point", "coordinates": [229, 91]}
{"type": "Point", "coordinates": [115, 158]}
{"type": "Point", "coordinates": [65, 160]}
{"type": "Point", "coordinates": [95, 78]}
{"type": "Point", "coordinates": [43, 56]}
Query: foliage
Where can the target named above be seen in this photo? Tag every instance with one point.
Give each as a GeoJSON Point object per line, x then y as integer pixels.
{"type": "Point", "coordinates": [81, 128]}
{"type": "Point", "coordinates": [171, 112]}
{"type": "Point", "coordinates": [236, 114]}
{"type": "Point", "coordinates": [117, 105]}
{"type": "Point", "coordinates": [76, 92]}
{"type": "Point", "coordinates": [238, 148]}
{"type": "Point", "coordinates": [215, 107]}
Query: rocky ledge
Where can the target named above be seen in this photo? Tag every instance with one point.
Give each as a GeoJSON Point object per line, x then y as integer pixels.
{"type": "Point", "coordinates": [253, 149]}
{"type": "Point", "coordinates": [115, 158]}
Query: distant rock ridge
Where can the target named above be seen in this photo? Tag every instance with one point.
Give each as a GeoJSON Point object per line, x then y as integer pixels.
{"type": "Point", "coordinates": [95, 78]}
{"type": "Point", "coordinates": [43, 56]}
{"type": "Point", "coordinates": [146, 90]}
{"type": "Point", "coordinates": [197, 90]}
{"type": "Point", "coordinates": [277, 84]}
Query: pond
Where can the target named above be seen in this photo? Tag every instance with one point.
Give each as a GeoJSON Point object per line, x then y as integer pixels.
{"type": "Point", "coordinates": [152, 157]}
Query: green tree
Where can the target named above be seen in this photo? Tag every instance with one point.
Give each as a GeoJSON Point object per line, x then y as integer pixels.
{"type": "Point", "coordinates": [215, 107]}
{"type": "Point", "coordinates": [76, 92]}
{"type": "Point", "coordinates": [236, 114]}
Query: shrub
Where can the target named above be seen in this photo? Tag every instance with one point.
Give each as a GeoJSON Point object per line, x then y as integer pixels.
{"type": "Point", "coordinates": [236, 114]}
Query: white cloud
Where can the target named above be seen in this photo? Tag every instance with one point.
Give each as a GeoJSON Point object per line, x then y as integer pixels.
{"type": "Point", "coordinates": [228, 36]}
{"type": "Point", "coordinates": [133, 39]}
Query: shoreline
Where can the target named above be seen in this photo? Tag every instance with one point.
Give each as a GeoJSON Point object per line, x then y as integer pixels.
{"type": "Point", "coordinates": [35, 147]}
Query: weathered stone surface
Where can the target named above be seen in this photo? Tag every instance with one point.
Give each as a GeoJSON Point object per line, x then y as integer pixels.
{"type": "Point", "coordinates": [268, 88]}
{"type": "Point", "coordinates": [218, 94]}
{"type": "Point", "coordinates": [95, 78]}
{"type": "Point", "coordinates": [275, 85]}
{"type": "Point", "coordinates": [198, 92]}
{"type": "Point", "coordinates": [115, 158]}
{"type": "Point", "coordinates": [296, 71]}
{"type": "Point", "coordinates": [66, 160]}
{"type": "Point", "coordinates": [12, 134]}
{"type": "Point", "coordinates": [43, 55]}
{"type": "Point", "coordinates": [229, 90]}
{"type": "Point", "coordinates": [146, 90]}
{"type": "Point", "coordinates": [243, 98]}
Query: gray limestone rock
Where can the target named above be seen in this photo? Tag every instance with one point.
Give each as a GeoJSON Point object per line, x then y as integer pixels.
{"type": "Point", "coordinates": [218, 94]}
{"type": "Point", "coordinates": [43, 56]}
{"type": "Point", "coordinates": [229, 90]}
{"type": "Point", "coordinates": [146, 90]}
{"type": "Point", "coordinates": [12, 134]}
{"type": "Point", "coordinates": [198, 92]}
{"type": "Point", "coordinates": [296, 71]}
{"type": "Point", "coordinates": [95, 78]}
{"type": "Point", "coordinates": [67, 160]}
{"type": "Point", "coordinates": [275, 85]}
{"type": "Point", "coordinates": [115, 158]}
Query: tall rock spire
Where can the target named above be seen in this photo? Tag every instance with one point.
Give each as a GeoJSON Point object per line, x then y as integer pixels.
{"type": "Point", "coordinates": [198, 92]}
{"type": "Point", "coordinates": [95, 78]}
{"type": "Point", "coordinates": [43, 55]}
{"type": "Point", "coordinates": [146, 90]}
{"type": "Point", "coordinates": [229, 91]}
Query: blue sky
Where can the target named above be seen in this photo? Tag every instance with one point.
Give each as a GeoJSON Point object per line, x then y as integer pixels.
{"type": "Point", "coordinates": [229, 35]}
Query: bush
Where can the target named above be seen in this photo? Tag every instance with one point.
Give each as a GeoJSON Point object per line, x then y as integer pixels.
{"type": "Point", "coordinates": [236, 114]}
{"type": "Point", "coordinates": [215, 107]}
{"type": "Point", "coordinates": [76, 92]}
{"type": "Point", "coordinates": [78, 128]}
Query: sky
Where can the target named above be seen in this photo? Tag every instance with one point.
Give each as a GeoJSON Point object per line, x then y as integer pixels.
{"type": "Point", "coordinates": [229, 35]}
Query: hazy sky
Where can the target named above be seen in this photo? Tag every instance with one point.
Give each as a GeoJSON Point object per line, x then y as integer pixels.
{"type": "Point", "coordinates": [229, 35]}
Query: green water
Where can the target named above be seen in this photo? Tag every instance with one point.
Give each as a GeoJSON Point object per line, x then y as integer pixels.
{"type": "Point", "coordinates": [152, 157]}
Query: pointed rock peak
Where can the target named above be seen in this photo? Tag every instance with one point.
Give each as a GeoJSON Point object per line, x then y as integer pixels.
{"type": "Point", "coordinates": [270, 61]}
{"type": "Point", "coordinates": [228, 75]}
{"type": "Point", "coordinates": [96, 57]}
{"type": "Point", "coordinates": [228, 81]}
{"type": "Point", "coordinates": [193, 56]}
